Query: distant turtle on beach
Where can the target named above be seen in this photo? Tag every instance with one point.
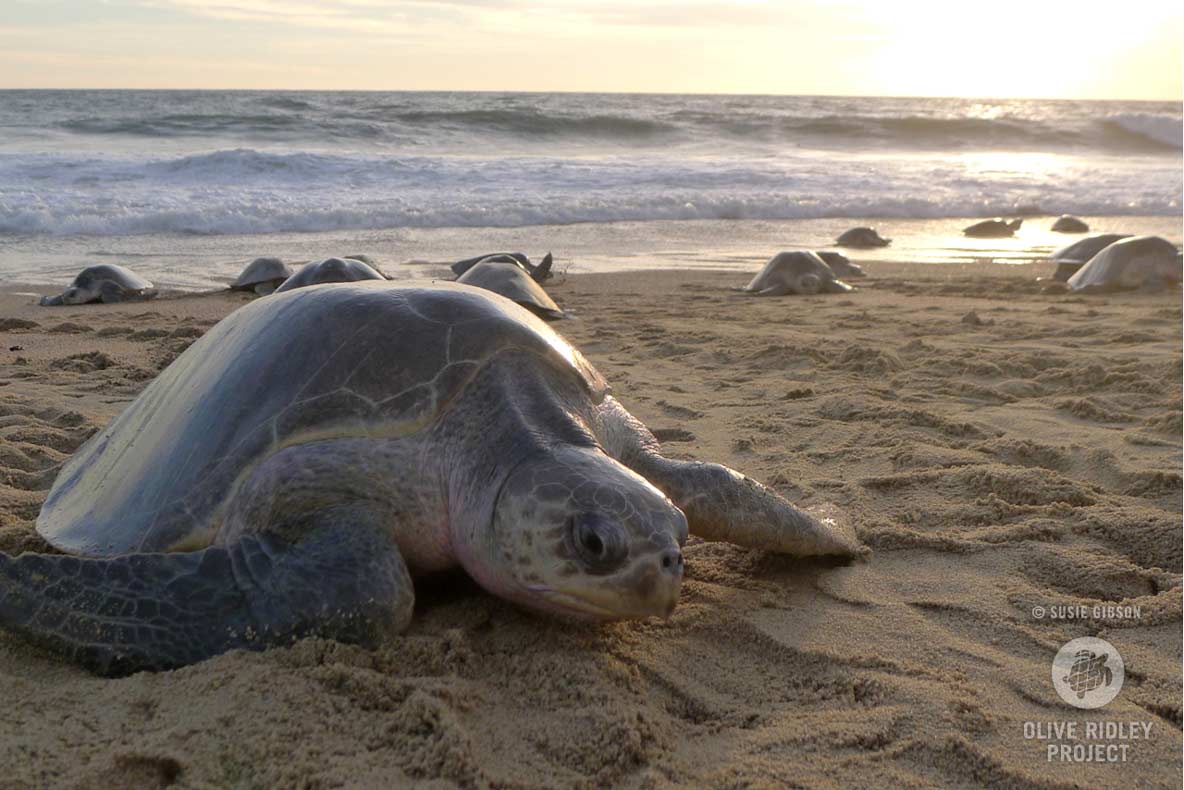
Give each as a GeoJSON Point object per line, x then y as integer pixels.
{"type": "Point", "coordinates": [510, 281]}
{"type": "Point", "coordinates": [1067, 224]}
{"type": "Point", "coordinates": [798, 272]}
{"type": "Point", "coordinates": [862, 237]}
{"type": "Point", "coordinates": [1071, 258]}
{"type": "Point", "coordinates": [540, 273]}
{"type": "Point", "coordinates": [840, 264]}
{"type": "Point", "coordinates": [366, 259]}
{"type": "Point", "coordinates": [289, 473]}
{"type": "Point", "coordinates": [1144, 262]}
{"type": "Point", "coordinates": [104, 282]}
{"type": "Point", "coordinates": [993, 228]}
{"type": "Point", "coordinates": [330, 270]}
{"type": "Point", "coordinates": [262, 275]}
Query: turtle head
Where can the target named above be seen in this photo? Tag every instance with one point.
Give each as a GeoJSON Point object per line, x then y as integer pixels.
{"type": "Point", "coordinates": [576, 533]}
{"type": "Point", "coordinates": [76, 294]}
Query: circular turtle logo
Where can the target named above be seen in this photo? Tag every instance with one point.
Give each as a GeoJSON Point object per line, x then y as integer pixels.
{"type": "Point", "coordinates": [1088, 672]}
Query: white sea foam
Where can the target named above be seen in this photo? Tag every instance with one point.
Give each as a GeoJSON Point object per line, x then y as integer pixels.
{"type": "Point", "coordinates": [114, 163]}
{"type": "Point", "coordinates": [247, 191]}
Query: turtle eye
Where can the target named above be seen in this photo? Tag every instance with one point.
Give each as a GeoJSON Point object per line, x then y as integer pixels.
{"type": "Point", "coordinates": [598, 543]}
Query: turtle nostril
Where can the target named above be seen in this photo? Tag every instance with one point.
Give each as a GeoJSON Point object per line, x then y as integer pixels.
{"type": "Point", "coordinates": [672, 561]}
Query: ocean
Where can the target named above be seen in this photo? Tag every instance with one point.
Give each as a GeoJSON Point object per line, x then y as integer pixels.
{"type": "Point", "coordinates": [193, 181]}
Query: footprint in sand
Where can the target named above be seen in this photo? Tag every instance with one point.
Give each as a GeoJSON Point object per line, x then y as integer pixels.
{"type": "Point", "coordinates": [70, 328]}
{"type": "Point", "coordinates": [87, 362]}
{"type": "Point", "coordinates": [17, 324]}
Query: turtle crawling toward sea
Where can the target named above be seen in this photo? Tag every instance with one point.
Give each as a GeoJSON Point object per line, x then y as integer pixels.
{"type": "Point", "coordinates": [104, 282]}
{"type": "Point", "coordinates": [292, 470]}
{"type": "Point", "coordinates": [840, 264]}
{"type": "Point", "coordinates": [1072, 257]}
{"type": "Point", "coordinates": [511, 281]}
{"type": "Point", "coordinates": [1150, 263]}
{"type": "Point", "coordinates": [262, 275]}
{"type": "Point", "coordinates": [1069, 224]}
{"type": "Point", "coordinates": [539, 273]}
{"type": "Point", "coordinates": [993, 228]}
{"type": "Point", "coordinates": [331, 270]}
{"type": "Point", "coordinates": [797, 272]}
{"type": "Point", "coordinates": [862, 237]}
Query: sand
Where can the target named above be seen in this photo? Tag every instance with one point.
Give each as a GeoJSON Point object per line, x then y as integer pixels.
{"type": "Point", "coordinates": [998, 449]}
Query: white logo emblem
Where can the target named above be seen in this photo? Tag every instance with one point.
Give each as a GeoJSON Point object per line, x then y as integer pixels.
{"type": "Point", "coordinates": [1088, 672]}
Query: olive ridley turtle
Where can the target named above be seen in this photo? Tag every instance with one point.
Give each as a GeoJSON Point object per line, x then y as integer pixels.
{"type": "Point", "coordinates": [798, 272]}
{"type": "Point", "coordinates": [291, 471]}
{"type": "Point", "coordinates": [993, 228]}
{"type": "Point", "coordinates": [262, 275]}
{"type": "Point", "coordinates": [539, 273]}
{"type": "Point", "coordinates": [1071, 258]}
{"type": "Point", "coordinates": [104, 282]}
{"type": "Point", "coordinates": [840, 264]}
{"type": "Point", "coordinates": [1147, 262]}
{"type": "Point", "coordinates": [366, 259]}
{"type": "Point", "coordinates": [1068, 224]}
{"type": "Point", "coordinates": [330, 270]}
{"type": "Point", "coordinates": [510, 281]}
{"type": "Point", "coordinates": [862, 237]}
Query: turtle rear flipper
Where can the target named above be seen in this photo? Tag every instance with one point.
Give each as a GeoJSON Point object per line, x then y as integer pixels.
{"type": "Point", "coordinates": [542, 272]}
{"type": "Point", "coordinates": [135, 612]}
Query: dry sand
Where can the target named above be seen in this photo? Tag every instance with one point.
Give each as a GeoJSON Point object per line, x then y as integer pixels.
{"type": "Point", "coordinates": [997, 448]}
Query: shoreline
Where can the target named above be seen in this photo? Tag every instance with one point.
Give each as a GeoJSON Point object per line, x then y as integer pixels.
{"type": "Point", "coordinates": [999, 450]}
{"type": "Point", "coordinates": [196, 263]}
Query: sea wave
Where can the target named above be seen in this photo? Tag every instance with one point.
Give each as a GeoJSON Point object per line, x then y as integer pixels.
{"type": "Point", "coordinates": [533, 122]}
{"type": "Point", "coordinates": [239, 191]}
{"type": "Point", "coordinates": [179, 124]}
{"type": "Point", "coordinates": [1160, 130]}
{"type": "Point", "coordinates": [455, 127]}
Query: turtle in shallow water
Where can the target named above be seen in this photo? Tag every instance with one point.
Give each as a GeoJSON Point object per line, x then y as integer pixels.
{"type": "Point", "coordinates": [540, 273]}
{"type": "Point", "coordinates": [1068, 224]}
{"type": "Point", "coordinates": [1071, 258]}
{"type": "Point", "coordinates": [862, 237]}
{"type": "Point", "coordinates": [510, 281]}
{"type": "Point", "coordinates": [798, 272]}
{"type": "Point", "coordinates": [104, 282]}
{"type": "Point", "coordinates": [262, 275]}
{"type": "Point", "coordinates": [291, 471]}
{"type": "Point", "coordinates": [993, 228]}
{"type": "Point", "coordinates": [1147, 262]}
{"type": "Point", "coordinates": [330, 270]}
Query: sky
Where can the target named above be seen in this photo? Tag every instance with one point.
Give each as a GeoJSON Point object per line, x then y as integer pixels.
{"type": "Point", "coordinates": [1086, 49]}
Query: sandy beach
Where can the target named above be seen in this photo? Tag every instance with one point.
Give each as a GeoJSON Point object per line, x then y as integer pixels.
{"type": "Point", "coordinates": [1010, 457]}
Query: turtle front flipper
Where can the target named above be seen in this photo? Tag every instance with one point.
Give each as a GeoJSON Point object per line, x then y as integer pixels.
{"type": "Point", "coordinates": [723, 505]}
{"type": "Point", "coordinates": [341, 579]}
{"type": "Point", "coordinates": [720, 503]}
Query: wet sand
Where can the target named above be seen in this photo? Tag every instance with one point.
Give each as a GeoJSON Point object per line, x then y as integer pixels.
{"type": "Point", "coordinates": [999, 450]}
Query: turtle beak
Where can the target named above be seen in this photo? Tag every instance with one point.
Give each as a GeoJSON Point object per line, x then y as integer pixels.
{"type": "Point", "coordinates": [648, 589]}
